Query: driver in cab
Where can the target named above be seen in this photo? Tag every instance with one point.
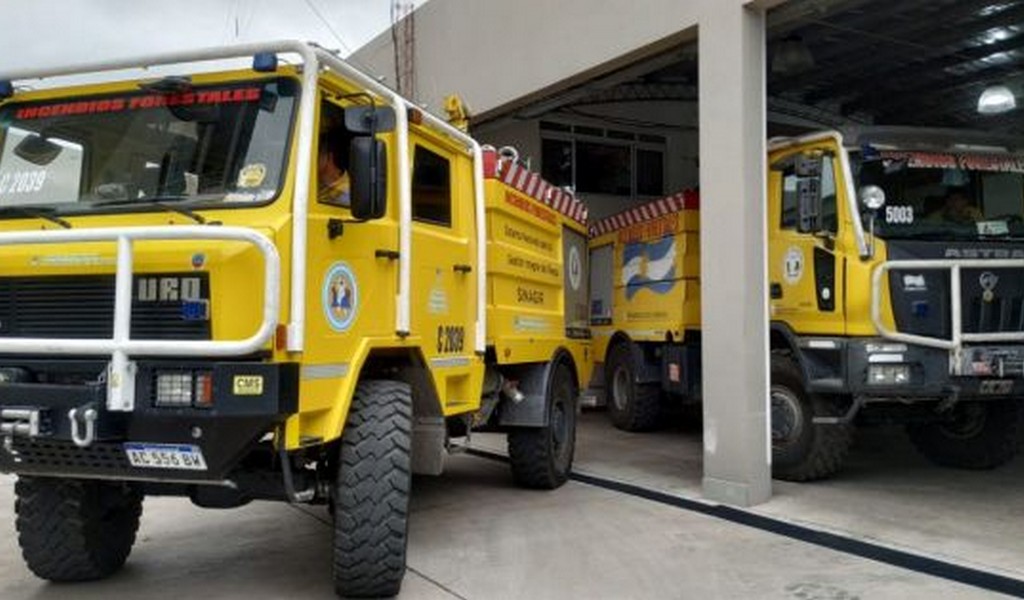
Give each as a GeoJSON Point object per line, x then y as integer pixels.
{"type": "Point", "coordinates": [956, 207]}
{"type": "Point", "coordinates": [332, 167]}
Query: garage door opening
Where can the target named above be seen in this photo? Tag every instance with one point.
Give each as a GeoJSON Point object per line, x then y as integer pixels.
{"type": "Point", "coordinates": [865, 69]}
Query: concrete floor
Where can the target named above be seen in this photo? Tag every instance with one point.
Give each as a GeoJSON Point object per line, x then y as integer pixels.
{"type": "Point", "coordinates": [888, 493]}
{"type": "Point", "coordinates": [473, 535]}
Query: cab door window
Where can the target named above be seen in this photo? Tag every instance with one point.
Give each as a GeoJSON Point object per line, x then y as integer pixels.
{"type": "Point", "coordinates": [332, 157]}
{"type": "Point", "coordinates": [431, 188]}
{"type": "Point", "coordinates": [790, 213]}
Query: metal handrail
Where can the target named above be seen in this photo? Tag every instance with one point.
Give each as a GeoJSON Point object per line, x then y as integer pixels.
{"type": "Point", "coordinates": [120, 346]}
{"type": "Point", "coordinates": [957, 336]}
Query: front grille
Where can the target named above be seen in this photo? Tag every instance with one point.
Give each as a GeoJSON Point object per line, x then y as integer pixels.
{"type": "Point", "coordinates": [1001, 309]}
{"type": "Point", "coordinates": [998, 315]}
{"type": "Point", "coordinates": [82, 306]}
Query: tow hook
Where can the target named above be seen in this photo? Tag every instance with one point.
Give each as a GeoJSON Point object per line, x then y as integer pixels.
{"type": "Point", "coordinates": [79, 416]}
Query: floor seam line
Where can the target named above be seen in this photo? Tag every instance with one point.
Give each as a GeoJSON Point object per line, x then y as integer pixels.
{"type": "Point", "coordinates": [431, 580]}
{"type": "Point", "coordinates": [902, 559]}
{"type": "Point", "coordinates": [437, 583]}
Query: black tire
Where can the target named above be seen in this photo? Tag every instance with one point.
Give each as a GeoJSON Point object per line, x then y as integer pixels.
{"type": "Point", "coordinates": [541, 457]}
{"type": "Point", "coordinates": [801, 450]}
{"type": "Point", "coordinates": [73, 530]}
{"type": "Point", "coordinates": [631, 406]}
{"type": "Point", "coordinates": [977, 435]}
{"type": "Point", "coordinates": [371, 492]}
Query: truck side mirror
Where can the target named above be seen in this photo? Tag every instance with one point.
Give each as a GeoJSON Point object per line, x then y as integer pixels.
{"type": "Point", "coordinates": [808, 189]}
{"type": "Point", "coordinates": [370, 119]}
{"type": "Point", "coordinates": [368, 177]}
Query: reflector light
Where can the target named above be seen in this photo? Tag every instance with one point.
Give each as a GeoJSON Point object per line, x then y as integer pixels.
{"type": "Point", "coordinates": [281, 337]}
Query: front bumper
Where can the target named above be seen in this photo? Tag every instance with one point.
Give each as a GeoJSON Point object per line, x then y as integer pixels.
{"type": "Point", "coordinates": [843, 365]}
{"type": "Point", "coordinates": [224, 432]}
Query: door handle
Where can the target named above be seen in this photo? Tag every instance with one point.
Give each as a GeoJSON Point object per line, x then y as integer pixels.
{"type": "Point", "coordinates": [776, 290]}
{"type": "Point", "coordinates": [462, 268]}
{"type": "Point", "coordinates": [388, 254]}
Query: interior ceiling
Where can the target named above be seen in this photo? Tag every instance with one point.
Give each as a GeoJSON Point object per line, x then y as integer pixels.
{"type": "Point", "coordinates": [906, 62]}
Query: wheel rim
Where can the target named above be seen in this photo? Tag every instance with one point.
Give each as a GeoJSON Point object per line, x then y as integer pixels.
{"type": "Point", "coordinates": [559, 431]}
{"type": "Point", "coordinates": [620, 388]}
{"type": "Point", "coordinates": [787, 418]}
{"type": "Point", "coordinates": [967, 423]}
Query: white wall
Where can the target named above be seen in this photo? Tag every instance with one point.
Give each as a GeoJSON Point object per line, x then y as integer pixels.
{"type": "Point", "coordinates": [499, 54]}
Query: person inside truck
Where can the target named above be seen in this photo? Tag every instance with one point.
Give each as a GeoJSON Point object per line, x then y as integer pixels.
{"type": "Point", "coordinates": [332, 167]}
{"type": "Point", "coordinates": [958, 207]}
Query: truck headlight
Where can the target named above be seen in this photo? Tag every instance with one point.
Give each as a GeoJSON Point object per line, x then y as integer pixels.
{"type": "Point", "coordinates": [888, 374]}
{"type": "Point", "coordinates": [179, 389]}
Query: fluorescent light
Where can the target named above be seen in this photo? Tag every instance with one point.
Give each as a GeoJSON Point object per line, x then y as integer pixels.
{"type": "Point", "coordinates": [996, 99]}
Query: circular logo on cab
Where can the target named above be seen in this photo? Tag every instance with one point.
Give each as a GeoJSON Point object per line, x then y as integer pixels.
{"type": "Point", "coordinates": [340, 296]}
{"type": "Point", "coordinates": [575, 268]}
{"type": "Point", "coordinates": [793, 265]}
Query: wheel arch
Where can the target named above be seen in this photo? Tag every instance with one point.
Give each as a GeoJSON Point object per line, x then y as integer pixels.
{"type": "Point", "coordinates": [410, 366]}
{"type": "Point", "coordinates": [782, 338]}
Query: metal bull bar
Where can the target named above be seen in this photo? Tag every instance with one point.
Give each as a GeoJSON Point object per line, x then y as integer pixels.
{"type": "Point", "coordinates": [120, 346]}
{"type": "Point", "coordinates": [957, 337]}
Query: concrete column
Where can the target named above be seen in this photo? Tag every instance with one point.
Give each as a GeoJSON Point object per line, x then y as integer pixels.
{"type": "Point", "coordinates": [733, 245]}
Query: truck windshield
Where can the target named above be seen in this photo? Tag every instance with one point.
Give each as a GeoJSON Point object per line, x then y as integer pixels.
{"type": "Point", "coordinates": [174, 142]}
{"type": "Point", "coordinates": [945, 195]}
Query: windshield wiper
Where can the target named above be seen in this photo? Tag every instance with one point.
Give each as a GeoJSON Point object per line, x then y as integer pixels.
{"type": "Point", "coordinates": [38, 213]}
{"type": "Point", "coordinates": [164, 203]}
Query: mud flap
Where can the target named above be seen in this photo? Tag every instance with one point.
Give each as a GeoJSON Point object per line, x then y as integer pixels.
{"type": "Point", "coordinates": [532, 409]}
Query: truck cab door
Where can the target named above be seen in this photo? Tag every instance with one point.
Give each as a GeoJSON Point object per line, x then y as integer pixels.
{"type": "Point", "coordinates": [805, 270]}
{"type": "Point", "coordinates": [444, 272]}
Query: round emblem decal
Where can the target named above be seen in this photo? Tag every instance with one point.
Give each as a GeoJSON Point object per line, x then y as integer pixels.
{"type": "Point", "coordinates": [340, 296]}
{"type": "Point", "coordinates": [575, 268]}
{"type": "Point", "coordinates": [793, 265]}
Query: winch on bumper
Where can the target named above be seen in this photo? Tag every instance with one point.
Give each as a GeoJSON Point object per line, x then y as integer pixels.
{"type": "Point", "coordinates": [66, 429]}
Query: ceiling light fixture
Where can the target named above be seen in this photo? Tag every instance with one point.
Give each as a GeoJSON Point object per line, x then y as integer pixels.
{"type": "Point", "coordinates": [995, 100]}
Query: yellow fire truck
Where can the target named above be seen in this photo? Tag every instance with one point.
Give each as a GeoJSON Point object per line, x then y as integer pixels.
{"type": "Point", "coordinates": [189, 307]}
{"type": "Point", "coordinates": [896, 273]}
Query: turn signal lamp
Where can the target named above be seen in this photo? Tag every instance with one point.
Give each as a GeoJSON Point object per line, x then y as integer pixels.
{"type": "Point", "coordinates": [204, 390]}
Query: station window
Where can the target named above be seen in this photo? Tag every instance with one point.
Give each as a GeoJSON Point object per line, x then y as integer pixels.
{"type": "Point", "coordinates": [431, 188]}
{"type": "Point", "coordinates": [602, 161]}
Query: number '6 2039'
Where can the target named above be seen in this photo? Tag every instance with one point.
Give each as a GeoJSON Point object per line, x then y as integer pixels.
{"type": "Point", "coordinates": [450, 338]}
